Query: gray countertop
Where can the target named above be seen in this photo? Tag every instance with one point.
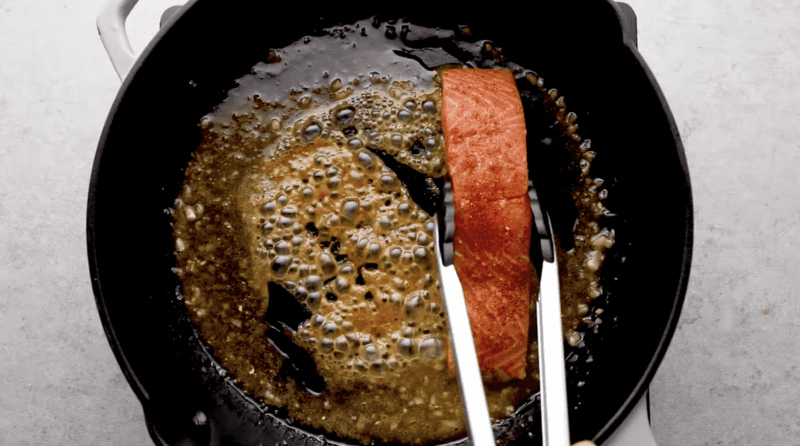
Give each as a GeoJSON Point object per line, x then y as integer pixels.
{"type": "Point", "coordinates": [731, 73]}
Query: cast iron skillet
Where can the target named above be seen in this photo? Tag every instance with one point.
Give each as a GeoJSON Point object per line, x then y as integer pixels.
{"type": "Point", "coordinates": [151, 131]}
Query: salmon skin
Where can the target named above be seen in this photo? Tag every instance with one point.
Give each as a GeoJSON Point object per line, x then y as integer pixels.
{"type": "Point", "coordinates": [484, 130]}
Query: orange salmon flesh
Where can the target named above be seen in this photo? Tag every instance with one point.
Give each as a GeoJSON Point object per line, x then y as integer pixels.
{"type": "Point", "coordinates": [484, 131]}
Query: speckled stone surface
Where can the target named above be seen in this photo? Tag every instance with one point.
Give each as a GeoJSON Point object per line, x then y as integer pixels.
{"type": "Point", "coordinates": [730, 71]}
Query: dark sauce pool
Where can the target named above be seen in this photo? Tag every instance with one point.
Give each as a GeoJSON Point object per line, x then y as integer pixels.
{"type": "Point", "coordinates": [232, 205]}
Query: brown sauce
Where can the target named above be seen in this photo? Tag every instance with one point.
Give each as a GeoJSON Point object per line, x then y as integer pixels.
{"type": "Point", "coordinates": [284, 189]}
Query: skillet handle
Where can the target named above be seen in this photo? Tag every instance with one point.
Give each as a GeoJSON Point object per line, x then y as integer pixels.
{"type": "Point", "coordinates": [629, 24]}
{"type": "Point", "coordinates": [111, 26]}
{"type": "Point", "coordinates": [113, 34]}
{"type": "Point", "coordinates": [167, 426]}
{"type": "Point", "coordinates": [635, 429]}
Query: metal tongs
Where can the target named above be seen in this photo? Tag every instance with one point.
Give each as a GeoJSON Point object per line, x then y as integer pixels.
{"type": "Point", "coordinates": [552, 373]}
{"type": "Point", "coordinates": [469, 375]}
{"type": "Point", "coordinates": [552, 370]}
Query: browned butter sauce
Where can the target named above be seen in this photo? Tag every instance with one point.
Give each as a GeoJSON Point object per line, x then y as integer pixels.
{"type": "Point", "coordinates": [284, 189]}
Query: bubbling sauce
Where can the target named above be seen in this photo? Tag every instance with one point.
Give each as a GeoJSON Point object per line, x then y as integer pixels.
{"type": "Point", "coordinates": [289, 190]}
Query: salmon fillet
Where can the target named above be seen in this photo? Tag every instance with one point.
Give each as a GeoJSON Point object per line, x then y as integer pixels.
{"type": "Point", "coordinates": [484, 130]}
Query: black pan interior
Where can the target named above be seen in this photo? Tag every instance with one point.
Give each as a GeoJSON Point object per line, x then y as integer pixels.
{"type": "Point", "coordinates": [152, 130]}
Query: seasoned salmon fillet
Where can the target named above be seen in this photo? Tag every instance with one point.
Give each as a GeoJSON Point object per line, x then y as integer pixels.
{"type": "Point", "coordinates": [484, 131]}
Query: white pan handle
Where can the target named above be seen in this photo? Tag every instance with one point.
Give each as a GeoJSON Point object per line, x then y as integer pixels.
{"type": "Point", "coordinates": [113, 33]}
{"type": "Point", "coordinates": [635, 430]}
{"type": "Point", "coordinates": [111, 26]}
